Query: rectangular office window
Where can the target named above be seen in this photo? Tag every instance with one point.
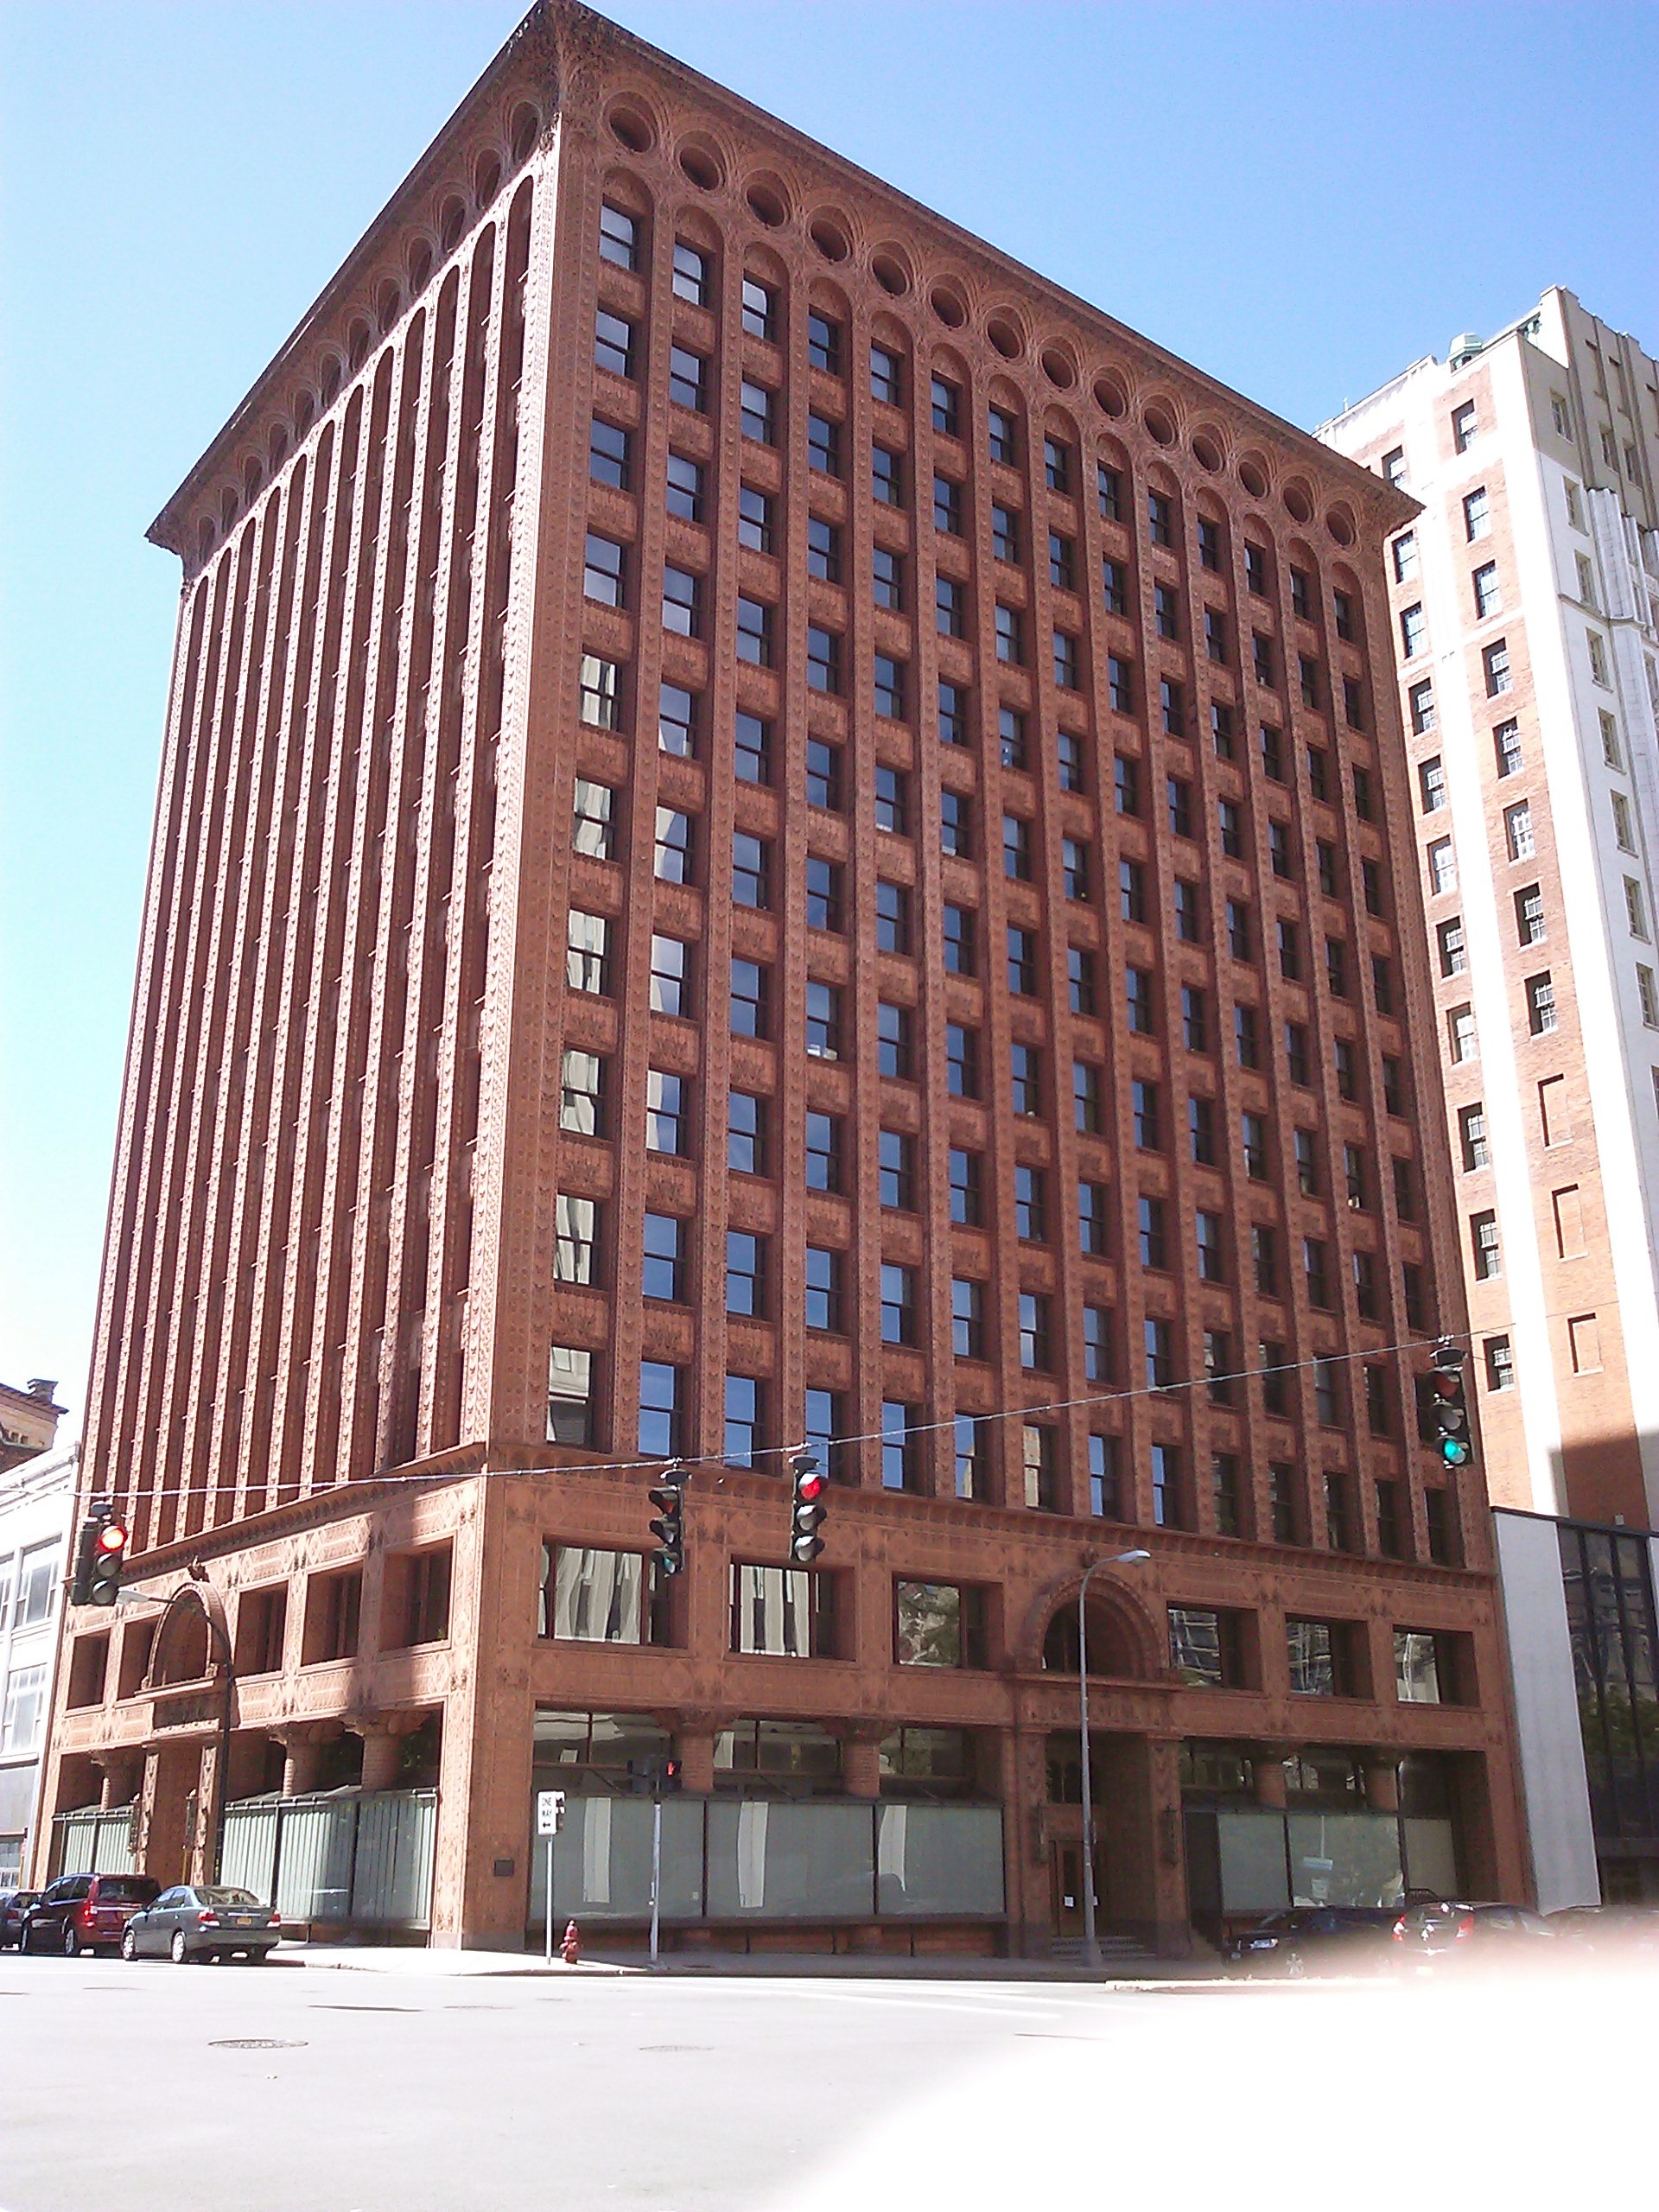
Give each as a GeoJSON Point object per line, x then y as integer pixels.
{"type": "Point", "coordinates": [577, 1232]}
{"type": "Point", "coordinates": [1417, 1667]}
{"type": "Point", "coordinates": [663, 1244]}
{"type": "Point", "coordinates": [1540, 1003]}
{"type": "Point", "coordinates": [895, 1049]}
{"type": "Point", "coordinates": [745, 1133]}
{"type": "Point", "coordinates": [824, 343]}
{"type": "Point", "coordinates": [675, 851]}
{"type": "Point", "coordinates": [938, 1624]}
{"type": "Point", "coordinates": [1040, 1463]}
{"type": "Point", "coordinates": [823, 444]}
{"type": "Point", "coordinates": [619, 237]}
{"type": "Point", "coordinates": [1168, 1502]}
{"type": "Point", "coordinates": [1484, 1246]}
{"type": "Point", "coordinates": [667, 1107]}
{"type": "Point", "coordinates": [760, 309]}
{"type": "Point", "coordinates": [886, 476]}
{"type": "Point", "coordinates": [889, 687]}
{"type": "Point", "coordinates": [670, 976]}
{"type": "Point", "coordinates": [586, 962]}
{"type": "Point", "coordinates": [752, 749]}
{"type": "Point", "coordinates": [1314, 1649]}
{"type": "Point", "coordinates": [751, 995]}
{"type": "Point", "coordinates": [1495, 661]}
{"type": "Point", "coordinates": [785, 1613]}
{"type": "Point", "coordinates": [960, 1060]}
{"type": "Point", "coordinates": [688, 377]}
{"type": "Point", "coordinates": [596, 1597]}
{"type": "Point", "coordinates": [971, 1452]}
{"type": "Point", "coordinates": [1471, 1136]}
{"type": "Point", "coordinates": [901, 1457]}
{"type": "Point", "coordinates": [1094, 1224]}
{"type": "Point", "coordinates": [1086, 1097]}
{"type": "Point", "coordinates": [582, 1100]}
{"type": "Point", "coordinates": [613, 344]}
{"type": "Point", "coordinates": [661, 1395]}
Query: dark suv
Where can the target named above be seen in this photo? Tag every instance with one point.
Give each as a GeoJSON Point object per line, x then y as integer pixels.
{"type": "Point", "coordinates": [1326, 1938]}
{"type": "Point", "coordinates": [85, 1912]}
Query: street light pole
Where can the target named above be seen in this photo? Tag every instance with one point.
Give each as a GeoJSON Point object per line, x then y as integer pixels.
{"type": "Point", "coordinates": [1091, 1941]}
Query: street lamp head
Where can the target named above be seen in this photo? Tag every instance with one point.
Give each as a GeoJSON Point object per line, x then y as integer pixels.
{"type": "Point", "coordinates": [1131, 1559]}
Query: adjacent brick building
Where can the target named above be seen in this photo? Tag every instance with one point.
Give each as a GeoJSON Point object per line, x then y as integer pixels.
{"type": "Point", "coordinates": [773, 829]}
{"type": "Point", "coordinates": [1525, 598]}
{"type": "Point", "coordinates": [1525, 604]}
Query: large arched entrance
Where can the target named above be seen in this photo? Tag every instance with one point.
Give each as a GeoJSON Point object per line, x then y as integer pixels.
{"type": "Point", "coordinates": [1124, 1647]}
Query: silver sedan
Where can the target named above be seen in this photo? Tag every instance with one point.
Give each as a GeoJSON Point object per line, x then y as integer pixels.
{"type": "Point", "coordinates": [202, 1921]}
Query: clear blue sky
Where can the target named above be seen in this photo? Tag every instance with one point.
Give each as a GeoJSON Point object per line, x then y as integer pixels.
{"type": "Point", "coordinates": [1300, 198]}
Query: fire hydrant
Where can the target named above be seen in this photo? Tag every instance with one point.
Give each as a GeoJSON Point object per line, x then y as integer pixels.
{"type": "Point", "coordinates": [570, 1948]}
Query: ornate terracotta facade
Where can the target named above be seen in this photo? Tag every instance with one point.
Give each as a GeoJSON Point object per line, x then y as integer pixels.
{"type": "Point", "coordinates": [966, 715]}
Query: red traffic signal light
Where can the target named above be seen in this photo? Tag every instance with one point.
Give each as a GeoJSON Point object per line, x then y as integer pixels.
{"type": "Point", "coordinates": [105, 1557]}
{"type": "Point", "coordinates": [807, 1509]}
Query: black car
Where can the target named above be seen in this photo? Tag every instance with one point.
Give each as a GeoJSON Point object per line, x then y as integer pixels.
{"type": "Point", "coordinates": [202, 1920]}
{"type": "Point", "coordinates": [1454, 1930]}
{"type": "Point", "coordinates": [14, 1904]}
{"type": "Point", "coordinates": [85, 1912]}
{"type": "Point", "coordinates": [1604, 1931]}
{"type": "Point", "coordinates": [1321, 1938]}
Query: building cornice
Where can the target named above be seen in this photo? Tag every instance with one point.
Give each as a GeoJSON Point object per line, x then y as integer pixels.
{"type": "Point", "coordinates": [570, 58]}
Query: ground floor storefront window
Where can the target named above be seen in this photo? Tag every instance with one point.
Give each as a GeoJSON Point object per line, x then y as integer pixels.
{"type": "Point", "coordinates": [780, 1839]}
{"type": "Point", "coordinates": [736, 1858]}
{"type": "Point", "coordinates": [1324, 1846]}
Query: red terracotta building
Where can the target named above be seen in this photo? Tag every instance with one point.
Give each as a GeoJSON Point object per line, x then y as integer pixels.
{"type": "Point", "coordinates": [772, 829]}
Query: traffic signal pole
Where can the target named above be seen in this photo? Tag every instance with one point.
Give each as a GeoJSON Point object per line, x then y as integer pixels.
{"type": "Point", "coordinates": [656, 1871]}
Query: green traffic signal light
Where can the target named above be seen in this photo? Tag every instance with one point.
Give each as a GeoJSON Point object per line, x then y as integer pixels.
{"type": "Point", "coordinates": [1453, 1444]}
{"type": "Point", "coordinates": [668, 1528]}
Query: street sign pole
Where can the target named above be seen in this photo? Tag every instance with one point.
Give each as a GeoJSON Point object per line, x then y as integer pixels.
{"type": "Point", "coordinates": [550, 1818]}
{"type": "Point", "coordinates": [655, 1866]}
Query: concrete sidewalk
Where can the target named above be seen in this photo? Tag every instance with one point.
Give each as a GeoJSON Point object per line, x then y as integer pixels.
{"type": "Point", "coordinates": [403, 1960]}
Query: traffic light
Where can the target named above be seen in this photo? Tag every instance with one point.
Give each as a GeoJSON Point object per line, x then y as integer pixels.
{"type": "Point", "coordinates": [100, 1555]}
{"type": "Point", "coordinates": [1448, 1409]}
{"type": "Point", "coordinates": [668, 1529]}
{"type": "Point", "coordinates": [807, 1508]}
{"type": "Point", "coordinates": [80, 1590]}
{"type": "Point", "coordinates": [658, 1776]}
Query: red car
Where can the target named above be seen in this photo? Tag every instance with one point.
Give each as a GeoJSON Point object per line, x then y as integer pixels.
{"type": "Point", "coordinates": [85, 1912]}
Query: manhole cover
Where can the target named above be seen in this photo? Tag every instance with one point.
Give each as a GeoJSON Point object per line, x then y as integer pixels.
{"type": "Point", "coordinates": [255, 2042]}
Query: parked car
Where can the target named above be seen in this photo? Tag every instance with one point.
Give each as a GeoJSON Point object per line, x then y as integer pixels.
{"type": "Point", "coordinates": [202, 1920]}
{"type": "Point", "coordinates": [1427, 1934]}
{"type": "Point", "coordinates": [85, 1912]}
{"type": "Point", "coordinates": [14, 1904]}
{"type": "Point", "coordinates": [1612, 1931]}
{"type": "Point", "coordinates": [1331, 1938]}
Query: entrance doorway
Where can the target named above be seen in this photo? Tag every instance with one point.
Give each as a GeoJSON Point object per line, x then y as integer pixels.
{"type": "Point", "coordinates": [1065, 1883]}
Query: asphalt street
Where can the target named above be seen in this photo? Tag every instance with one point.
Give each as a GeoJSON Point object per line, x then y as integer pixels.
{"type": "Point", "coordinates": [152, 2088]}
